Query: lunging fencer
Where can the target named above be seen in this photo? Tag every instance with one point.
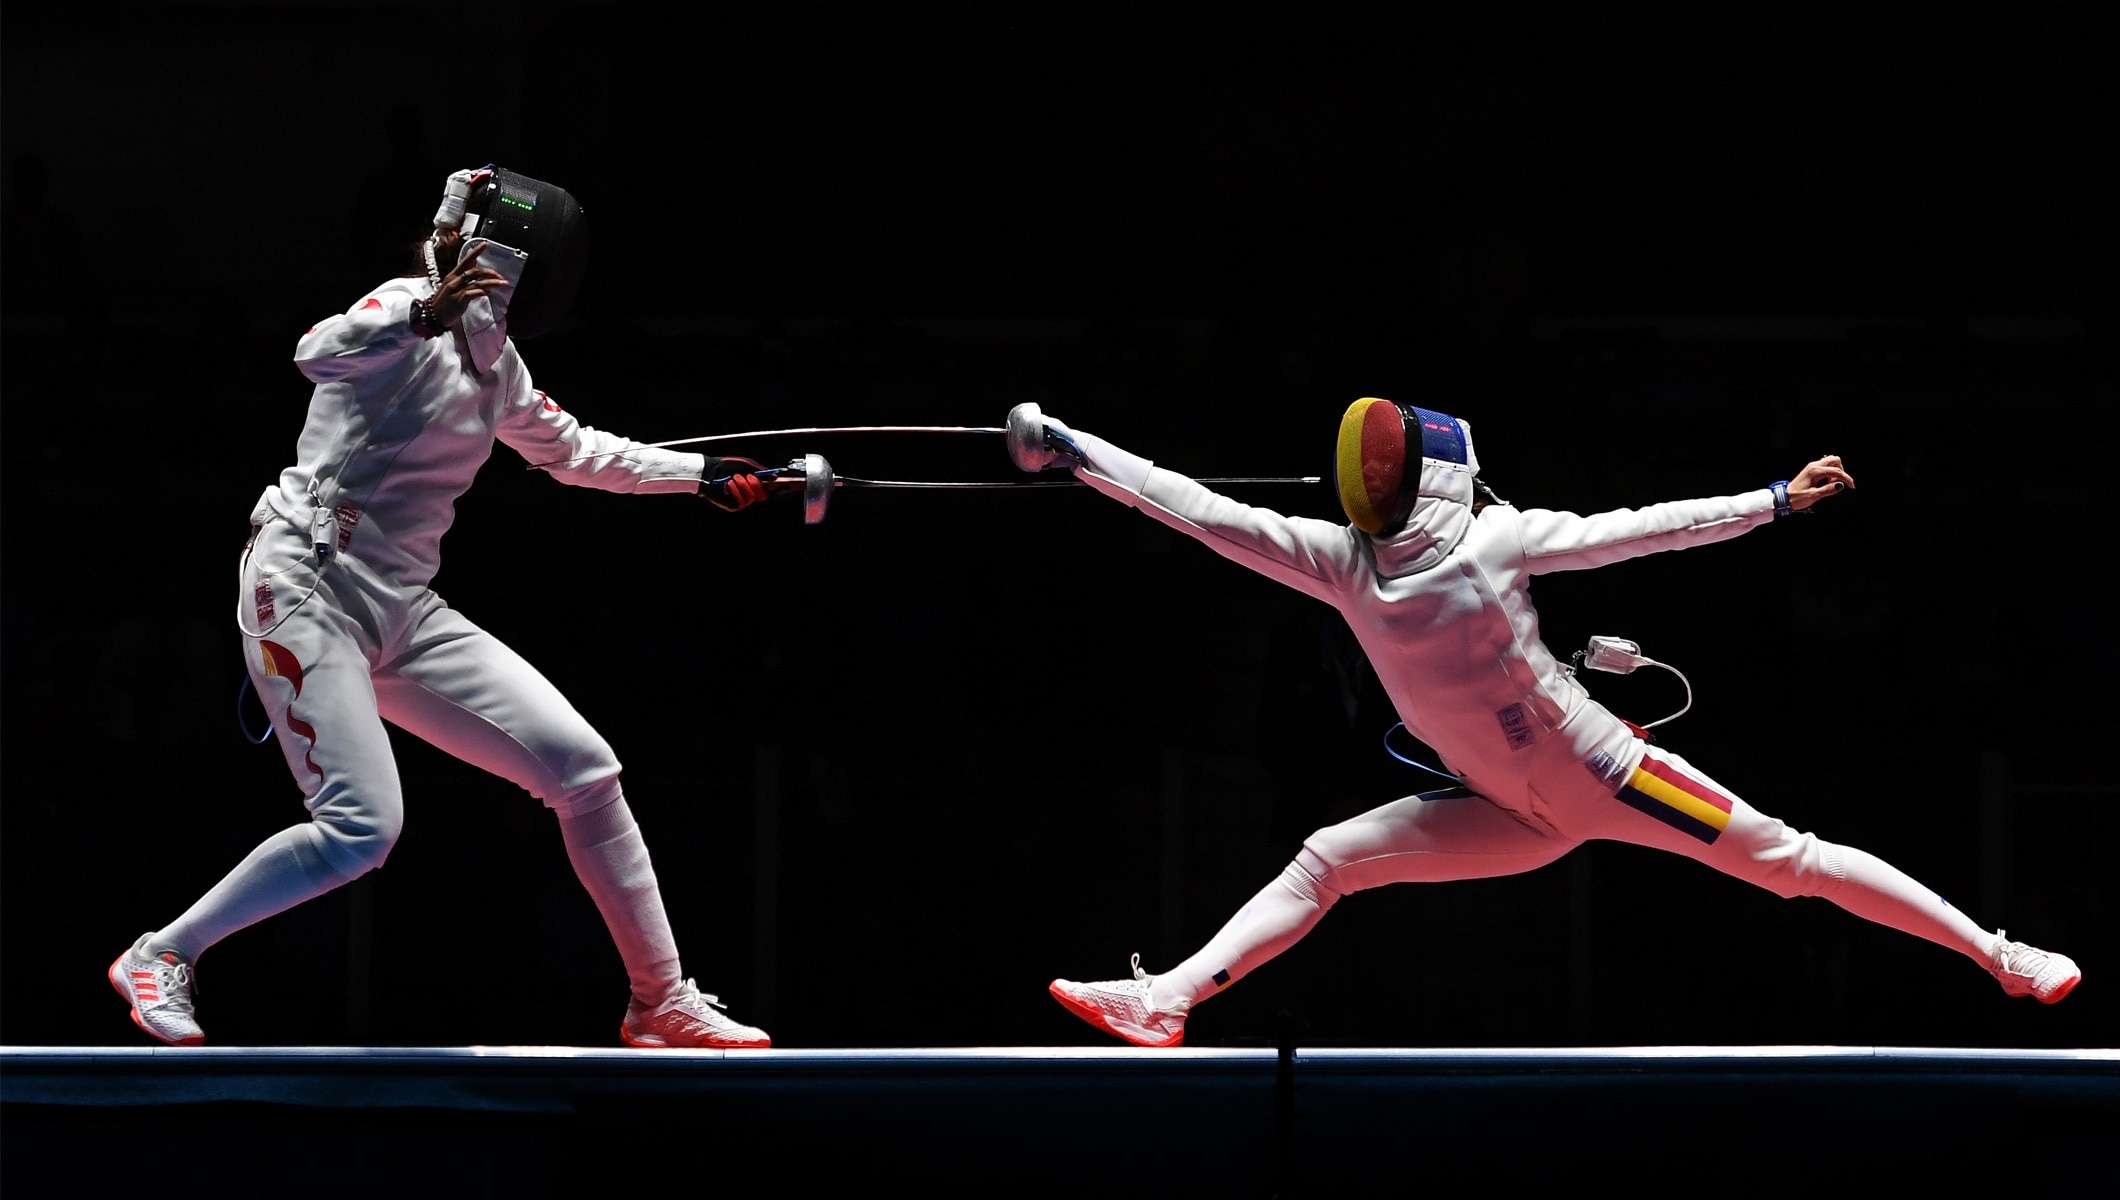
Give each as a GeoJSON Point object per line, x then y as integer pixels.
{"type": "Point", "coordinates": [1432, 572]}
{"type": "Point", "coordinates": [414, 383]}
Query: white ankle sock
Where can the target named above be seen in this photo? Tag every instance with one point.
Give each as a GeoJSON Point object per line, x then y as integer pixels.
{"type": "Point", "coordinates": [611, 860]}
{"type": "Point", "coordinates": [1876, 890]}
{"type": "Point", "coordinates": [1269, 923]}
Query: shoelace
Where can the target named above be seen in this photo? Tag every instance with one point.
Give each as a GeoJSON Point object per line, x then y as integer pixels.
{"type": "Point", "coordinates": [1148, 994]}
{"type": "Point", "coordinates": [2016, 958]}
{"type": "Point", "coordinates": [692, 993]}
{"type": "Point", "coordinates": [173, 981]}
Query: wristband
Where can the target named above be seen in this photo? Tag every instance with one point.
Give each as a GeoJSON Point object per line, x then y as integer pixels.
{"type": "Point", "coordinates": [423, 322]}
{"type": "Point", "coordinates": [1780, 488]}
{"type": "Point", "coordinates": [707, 470]}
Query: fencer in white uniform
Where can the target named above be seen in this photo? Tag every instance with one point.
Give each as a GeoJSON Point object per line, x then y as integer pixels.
{"type": "Point", "coordinates": [414, 383]}
{"type": "Point", "coordinates": [1432, 574]}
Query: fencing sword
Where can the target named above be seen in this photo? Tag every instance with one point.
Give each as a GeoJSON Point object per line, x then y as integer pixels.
{"type": "Point", "coordinates": [766, 433]}
{"type": "Point", "coordinates": [813, 477]}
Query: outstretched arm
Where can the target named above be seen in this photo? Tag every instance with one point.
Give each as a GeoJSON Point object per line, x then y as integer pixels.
{"type": "Point", "coordinates": [549, 437]}
{"type": "Point", "coordinates": [1314, 557]}
{"type": "Point", "coordinates": [1562, 541]}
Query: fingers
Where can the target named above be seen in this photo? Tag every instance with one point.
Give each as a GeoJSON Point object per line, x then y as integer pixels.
{"type": "Point", "coordinates": [481, 278]}
{"type": "Point", "coordinates": [459, 288]}
{"type": "Point", "coordinates": [1828, 474]}
{"type": "Point", "coordinates": [745, 490]}
{"type": "Point", "coordinates": [1821, 477]}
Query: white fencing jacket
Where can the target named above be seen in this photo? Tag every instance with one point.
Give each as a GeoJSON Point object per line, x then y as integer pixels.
{"type": "Point", "coordinates": [1443, 607]}
{"type": "Point", "coordinates": [399, 424]}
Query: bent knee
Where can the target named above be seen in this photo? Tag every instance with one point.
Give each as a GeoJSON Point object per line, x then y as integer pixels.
{"type": "Point", "coordinates": [581, 800]}
{"type": "Point", "coordinates": [357, 840]}
{"type": "Point", "coordinates": [1316, 860]}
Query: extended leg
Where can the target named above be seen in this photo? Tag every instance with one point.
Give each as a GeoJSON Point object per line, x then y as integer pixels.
{"type": "Point", "coordinates": [1420, 839]}
{"type": "Point", "coordinates": [1670, 804]}
{"type": "Point", "coordinates": [462, 689]}
{"type": "Point", "coordinates": [324, 714]}
{"type": "Point", "coordinates": [1442, 836]}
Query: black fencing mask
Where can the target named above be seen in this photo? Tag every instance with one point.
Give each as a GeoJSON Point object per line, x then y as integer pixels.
{"type": "Point", "coordinates": [540, 219]}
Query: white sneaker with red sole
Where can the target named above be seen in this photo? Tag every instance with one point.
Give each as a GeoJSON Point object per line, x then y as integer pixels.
{"type": "Point", "coordinates": [1123, 1007]}
{"type": "Point", "coordinates": [158, 986]}
{"type": "Point", "coordinates": [2029, 971]}
{"type": "Point", "coordinates": [689, 1020]}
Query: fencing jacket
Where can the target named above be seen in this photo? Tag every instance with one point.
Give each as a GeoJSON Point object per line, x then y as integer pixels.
{"type": "Point", "coordinates": [1443, 607]}
{"type": "Point", "coordinates": [399, 424]}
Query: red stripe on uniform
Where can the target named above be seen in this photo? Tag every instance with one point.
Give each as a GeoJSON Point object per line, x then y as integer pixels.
{"type": "Point", "coordinates": [304, 729]}
{"type": "Point", "coordinates": [1685, 783]}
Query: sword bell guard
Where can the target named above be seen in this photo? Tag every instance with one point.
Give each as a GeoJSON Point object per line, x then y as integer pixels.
{"type": "Point", "coordinates": [817, 484]}
{"type": "Point", "coordinates": [1026, 438]}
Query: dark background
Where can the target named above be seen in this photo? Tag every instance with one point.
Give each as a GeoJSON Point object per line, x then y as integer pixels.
{"type": "Point", "coordinates": [900, 769]}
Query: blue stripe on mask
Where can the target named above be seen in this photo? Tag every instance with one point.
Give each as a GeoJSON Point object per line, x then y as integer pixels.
{"type": "Point", "coordinates": [1441, 437]}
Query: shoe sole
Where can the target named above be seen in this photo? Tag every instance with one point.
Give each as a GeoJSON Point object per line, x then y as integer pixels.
{"type": "Point", "coordinates": [1095, 1016]}
{"type": "Point", "coordinates": [2061, 991]}
{"type": "Point", "coordinates": [637, 1044]}
{"type": "Point", "coordinates": [125, 994]}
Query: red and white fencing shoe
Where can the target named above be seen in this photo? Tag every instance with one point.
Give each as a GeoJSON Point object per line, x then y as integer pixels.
{"type": "Point", "coordinates": [158, 986]}
{"type": "Point", "coordinates": [1124, 1007]}
{"type": "Point", "coordinates": [689, 1020]}
{"type": "Point", "coordinates": [2028, 971]}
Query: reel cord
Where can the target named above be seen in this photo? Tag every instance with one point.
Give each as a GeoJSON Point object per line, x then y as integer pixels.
{"type": "Point", "coordinates": [1682, 679]}
{"type": "Point", "coordinates": [1619, 656]}
{"type": "Point", "coordinates": [243, 725]}
{"type": "Point", "coordinates": [1411, 762]}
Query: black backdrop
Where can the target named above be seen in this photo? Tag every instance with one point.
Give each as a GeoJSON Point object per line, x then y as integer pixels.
{"type": "Point", "coordinates": [900, 769]}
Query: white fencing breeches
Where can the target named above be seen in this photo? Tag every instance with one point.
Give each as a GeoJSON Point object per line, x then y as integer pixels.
{"type": "Point", "coordinates": [335, 662]}
{"type": "Point", "coordinates": [1665, 803]}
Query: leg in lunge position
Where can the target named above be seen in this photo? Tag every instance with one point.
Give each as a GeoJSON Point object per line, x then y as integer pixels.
{"type": "Point", "coordinates": [666, 1009]}
{"type": "Point", "coordinates": [470, 694]}
{"type": "Point", "coordinates": [1430, 838]}
{"type": "Point", "coordinates": [314, 684]}
{"type": "Point", "coordinates": [1667, 803]}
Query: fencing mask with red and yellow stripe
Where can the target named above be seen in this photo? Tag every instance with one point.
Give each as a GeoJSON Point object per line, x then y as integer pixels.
{"type": "Point", "coordinates": [1383, 450]}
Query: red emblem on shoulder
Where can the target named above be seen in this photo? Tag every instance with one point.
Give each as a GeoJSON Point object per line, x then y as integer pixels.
{"type": "Point", "coordinates": [370, 302]}
{"type": "Point", "coordinates": [549, 405]}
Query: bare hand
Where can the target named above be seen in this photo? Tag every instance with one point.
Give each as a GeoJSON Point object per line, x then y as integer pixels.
{"type": "Point", "coordinates": [1819, 478]}
{"type": "Point", "coordinates": [465, 282]}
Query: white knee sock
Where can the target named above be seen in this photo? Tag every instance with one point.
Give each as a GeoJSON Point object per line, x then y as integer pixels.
{"type": "Point", "coordinates": [1269, 923]}
{"type": "Point", "coordinates": [1875, 890]}
{"type": "Point", "coordinates": [286, 869]}
{"type": "Point", "coordinates": [611, 860]}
